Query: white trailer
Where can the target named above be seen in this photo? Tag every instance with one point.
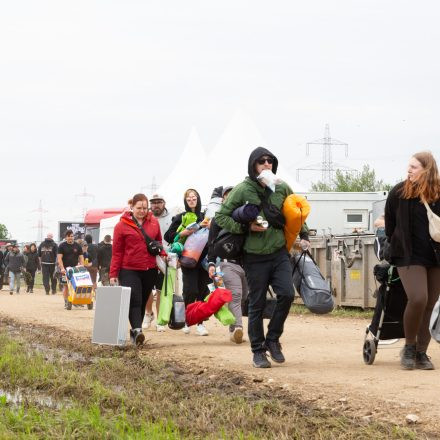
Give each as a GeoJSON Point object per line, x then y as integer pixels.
{"type": "Point", "coordinates": [342, 212]}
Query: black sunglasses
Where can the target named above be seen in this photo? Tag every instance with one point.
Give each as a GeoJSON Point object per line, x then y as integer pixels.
{"type": "Point", "coordinates": [261, 161]}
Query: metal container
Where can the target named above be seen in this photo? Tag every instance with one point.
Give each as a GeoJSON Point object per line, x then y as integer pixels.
{"type": "Point", "coordinates": [347, 261]}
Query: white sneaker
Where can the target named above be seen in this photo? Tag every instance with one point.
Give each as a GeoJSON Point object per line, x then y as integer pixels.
{"type": "Point", "coordinates": [149, 318]}
{"type": "Point", "coordinates": [160, 328]}
{"type": "Point", "coordinates": [201, 330]}
{"type": "Point", "coordinates": [186, 330]}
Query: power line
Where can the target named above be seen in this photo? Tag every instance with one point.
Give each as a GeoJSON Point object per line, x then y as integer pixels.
{"type": "Point", "coordinates": [327, 166]}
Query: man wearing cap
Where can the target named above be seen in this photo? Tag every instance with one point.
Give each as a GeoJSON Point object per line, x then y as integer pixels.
{"type": "Point", "coordinates": [157, 204]}
{"type": "Point", "coordinates": [266, 260]}
{"type": "Point", "coordinates": [104, 259]}
{"type": "Point", "coordinates": [47, 251]}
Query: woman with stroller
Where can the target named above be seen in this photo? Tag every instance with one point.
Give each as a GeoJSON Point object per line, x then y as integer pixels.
{"type": "Point", "coordinates": [133, 263]}
{"type": "Point", "coordinates": [415, 254]}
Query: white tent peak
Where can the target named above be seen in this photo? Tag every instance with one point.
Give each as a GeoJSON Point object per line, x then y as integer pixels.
{"type": "Point", "coordinates": [185, 173]}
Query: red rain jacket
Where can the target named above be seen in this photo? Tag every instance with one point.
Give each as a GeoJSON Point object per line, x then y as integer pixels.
{"type": "Point", "coordinates": [129, 247]}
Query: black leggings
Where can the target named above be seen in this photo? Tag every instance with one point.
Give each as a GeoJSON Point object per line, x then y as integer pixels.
{"type": "Point", "coordinates": [422, 287]}
{"type": "Point", "coordinates": [141, 283]}
{"type": "Point", "coordinates": [195, 284]}
{"type": "Point", "coordinates": [32, 281]}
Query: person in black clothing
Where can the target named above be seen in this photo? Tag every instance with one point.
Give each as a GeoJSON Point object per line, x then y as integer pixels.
{"type": "Point", "coordinates": [92, 250]}
{"type": "Point", "coordinates": [70, 254]}
{"type": "Point", "coordinates": [415, 254]}
{"type": "Point", "coordinates": [47, 251]}
{"type": "Point", "coordinates": [32, 265]}
{"type": "Point", "coordinates": [195, 281]}
{"type": "Point", "coordinates": [2, 268]}
{"type": "Point", "coordinates": [104, 259]}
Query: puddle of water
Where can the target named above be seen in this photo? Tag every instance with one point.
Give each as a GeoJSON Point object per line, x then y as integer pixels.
{"type": "Point", "coordinates": [18, 397]}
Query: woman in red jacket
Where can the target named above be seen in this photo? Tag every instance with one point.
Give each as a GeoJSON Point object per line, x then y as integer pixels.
{"type": "Point", "coordinates": [131, 261]}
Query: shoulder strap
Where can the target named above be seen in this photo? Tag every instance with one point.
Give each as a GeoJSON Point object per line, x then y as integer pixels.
{"type": "Point", "coordinates": [147, 238]}
{"type": "Point", "coordinates": [428, 208]}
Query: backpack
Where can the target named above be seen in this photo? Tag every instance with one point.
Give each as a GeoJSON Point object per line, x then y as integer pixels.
{"type": "Point", "coordinates": [228, 245]}
{"type": "Point", "coordinates": [273, 215]}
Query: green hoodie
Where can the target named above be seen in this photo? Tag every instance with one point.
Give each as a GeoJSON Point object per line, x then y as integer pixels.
{"type": "Point", "coordinates": [250, 191]}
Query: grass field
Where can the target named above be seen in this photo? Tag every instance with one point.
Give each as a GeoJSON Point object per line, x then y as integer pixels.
{"type": "Point", "coordinates": [54, 387]}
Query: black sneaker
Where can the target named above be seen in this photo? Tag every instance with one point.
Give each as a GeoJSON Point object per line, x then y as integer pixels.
{"type": "Point", "coordinates": [138, 337]}
{"type": "Point", "coordinates": [423, 362]}
{"type": "Point", "coordinates": [11, 292]}
{"type": "Point", "coordinates": [54, 292]}
{"type": "Point", "coordinates": [408, 357]}
{"type": "Point", "coordinates": [274, 349]}
{"type": "Point", "coordinates": [260, 360]}
{"type": "Point", "coordinates": [47, 292]}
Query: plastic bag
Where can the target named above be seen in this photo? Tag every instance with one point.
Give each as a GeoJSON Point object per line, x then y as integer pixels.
{"type": "Point", "coordinates": [166, 296]}
{"type": "Point", "coordinates": [269, 179]}
{"type": "Point", "coordinates": [194, 246]}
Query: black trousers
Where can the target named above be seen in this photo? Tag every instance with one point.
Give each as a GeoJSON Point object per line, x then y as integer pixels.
{"type": "Point", "coordinates": [141, 283]}
{"type": "Point", "coordinates": [195, 284]}
{"type": "Point", "coordinates": [48, 277]}
{"type": "Point", "coordinates": [32, 281]}
{"type": "Point", "coordinates": [263, 271]}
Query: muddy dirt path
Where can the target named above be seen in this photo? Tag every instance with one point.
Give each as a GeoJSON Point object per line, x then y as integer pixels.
{"type": "Point", "coordinates": [324, 359]}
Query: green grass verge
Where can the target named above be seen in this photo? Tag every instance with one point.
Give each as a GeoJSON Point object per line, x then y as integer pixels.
{"type": "Point", "coordinates": [119, 394]}
{"type": "Point", "coordinates": [338, 312]}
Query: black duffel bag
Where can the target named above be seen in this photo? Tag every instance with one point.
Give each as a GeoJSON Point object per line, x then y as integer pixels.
{"type": "Point", "coordinates": [311, 285]}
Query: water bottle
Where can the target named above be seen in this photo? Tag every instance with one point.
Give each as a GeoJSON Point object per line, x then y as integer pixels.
{"type": "Point", "coordinates": [218, 278]}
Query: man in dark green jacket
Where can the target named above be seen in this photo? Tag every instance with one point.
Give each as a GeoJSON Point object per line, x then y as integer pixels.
{"type": "Point", "coordinates": [266, 260]}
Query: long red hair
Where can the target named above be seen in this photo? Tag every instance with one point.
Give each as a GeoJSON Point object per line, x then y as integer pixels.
{"type": "Point", "coordinates": [427, 186]}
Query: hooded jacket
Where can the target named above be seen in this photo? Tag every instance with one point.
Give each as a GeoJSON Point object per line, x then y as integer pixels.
{"type": "Point", "coordinates": [104, 255]}
{"type": "Point", "coordinates": [14, 261]}
{"type": "Point", "coordinates": [177, 219]}
{"type": "Point", "coordinates": [33, 262]}
{"type": "Point", "coordinates": [250, 191]}
{"type": "Point", "coordinates": [47, 251]}
{"type": "Point", "coordinates": [129, 246]}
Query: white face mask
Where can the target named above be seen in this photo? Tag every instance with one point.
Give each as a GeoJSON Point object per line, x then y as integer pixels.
{"type": "Point", "coordinates": [269, 179]}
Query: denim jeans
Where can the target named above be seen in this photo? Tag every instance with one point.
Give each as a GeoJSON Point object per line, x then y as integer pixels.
{"type": "Point", "coordinates": [263, 271]}
{"type": "Point", "coordinates": [14, 278]}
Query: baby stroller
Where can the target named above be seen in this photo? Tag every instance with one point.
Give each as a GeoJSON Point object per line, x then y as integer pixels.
{"type": "Point", "coordinates": [387, 322]}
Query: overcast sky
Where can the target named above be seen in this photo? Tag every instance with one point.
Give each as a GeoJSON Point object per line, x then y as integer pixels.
{"type": "Point", "coordinates": [102, 95]}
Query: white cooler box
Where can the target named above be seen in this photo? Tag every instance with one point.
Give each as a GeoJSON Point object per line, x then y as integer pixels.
{"type": "Point", "coordinates": [111, 315]}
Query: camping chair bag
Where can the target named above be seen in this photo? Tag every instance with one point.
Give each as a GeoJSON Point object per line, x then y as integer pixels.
{"type": "Point", "coordinates": [311, 285]}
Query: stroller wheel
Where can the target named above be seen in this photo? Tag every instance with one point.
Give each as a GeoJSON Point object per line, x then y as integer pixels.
{"type": "Point", "coordinates": [90, 306]}
{"type": "Point", "coordinates": [369, 351]}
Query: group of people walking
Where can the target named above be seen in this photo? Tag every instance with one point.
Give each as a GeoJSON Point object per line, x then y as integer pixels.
{"type": "Point", "coordinates": [264, 260]}
{"type": "Point", "coordinates": [144, 233]}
